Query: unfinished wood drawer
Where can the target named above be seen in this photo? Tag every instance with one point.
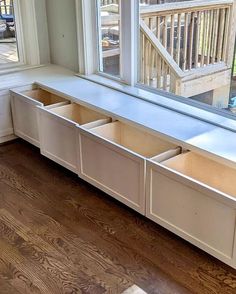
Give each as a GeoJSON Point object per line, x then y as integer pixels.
{"type": "Point", "coordinates": [195, 197]}
{"type": "Point", "coordinates": [58, 131]}
{"type": "Point", "coordinates": [24, 111]}
{"type": "Point", "coordinates": [113, 157]}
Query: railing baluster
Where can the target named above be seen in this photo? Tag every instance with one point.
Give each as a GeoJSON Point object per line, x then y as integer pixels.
{"type": "Point", "coordinates": [178, 40]}
{"type": "Point", "coordinates": [162, 73]}
{"type": "Point", "coordinates": [190, 57]}
{"type": "Point", "coordinates": [185, 46]}
{"type": "Point", "coordinates": [221, 33]}
{"type": "Point", "coordinates": [158, 64]}
{"type": "Point", "coordinates": [226, 34]}
{"type": "Point", "coordinates": [172, 34]}
{"type": "Point", "coordinates": [158, 29]}
{"type": "Point", "coordinates": [142, 61]}
{"type": "Point", "coordinates": [164, 41]}
{"type": "Point", "coordinates": [210, 37]}
{"type": "Point", "coordinates": [216, 34]}
{"type": "Point", "coordinates": [204, 31]}
{"type": "Point", "coordinates": [207, 36]}
{"type": "Point", "coordinates": [146, 80]}
{"type": "Point", "coordinates": [164, 76]}
{"type": "Point", "coordinates": [198, 25]}
{"type": "Point", "coordinates": [152, 62]}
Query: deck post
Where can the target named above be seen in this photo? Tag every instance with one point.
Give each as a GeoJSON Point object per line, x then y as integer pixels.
{"type": "Point", "coordinates": [232, 35]}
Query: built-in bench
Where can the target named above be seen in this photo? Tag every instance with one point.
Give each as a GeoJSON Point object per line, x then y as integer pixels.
{"type": "Point", "coordinates": [133, 153]}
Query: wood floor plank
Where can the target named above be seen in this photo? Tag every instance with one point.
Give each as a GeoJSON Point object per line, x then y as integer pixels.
{"type": "Point", "coordinates": [5, 286]}
{"type": "Point", "coordinates": [60, 222]}
{"type": "Point", "coordinates": [137, 267]}
{"type": "Point", "coordinates": [60, 240]}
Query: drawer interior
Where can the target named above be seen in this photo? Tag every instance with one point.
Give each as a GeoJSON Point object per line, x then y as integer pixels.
{"type": "Point", "coordinates": [207, 171]}
{"type": "Point", "coordinates": [138, 141]}
{"type": "Point", "coordinates": [78, 113]}
{"type": "Point", "coordinates": [43, 96]}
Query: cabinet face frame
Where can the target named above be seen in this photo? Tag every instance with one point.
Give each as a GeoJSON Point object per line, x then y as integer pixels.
{"type": "Point", "coordinates": [65, 125]}
{"type": "Point", "coordinates": [26, 125]}
{"type": "Point", "coordinates": [217, 198]}
{"type": "Point", "coordinates": [115, 150]}
{"type": "Point", "coordinates": [26, 105]}
{"type": "Point", "coordinates": [71, 141]}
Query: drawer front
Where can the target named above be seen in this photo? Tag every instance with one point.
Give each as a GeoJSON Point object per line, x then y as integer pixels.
{"type": "Point", "coordinates": [58, 139]}
{"type": "Point", "coordinates": [6, 127]}
{"type": "Point", "coordinates": [112, 169]}
{"type": "Point", "coordinates": [191, 214]}
{"type": "Point", "coordinates": [24, 112]}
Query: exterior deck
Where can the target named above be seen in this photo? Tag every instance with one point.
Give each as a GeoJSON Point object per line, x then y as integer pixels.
{"type": "Point", "coordinates": [186, 48]}
{"type": "Point", "coordinates": [8, 53]}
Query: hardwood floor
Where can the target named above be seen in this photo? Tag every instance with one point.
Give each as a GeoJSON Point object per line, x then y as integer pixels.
{"type": "Point", "coordinates": [61, 235]}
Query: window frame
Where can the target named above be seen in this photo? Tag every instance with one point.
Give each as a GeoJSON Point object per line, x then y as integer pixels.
{"type": "Point", "coordinates": [88, 68]}
{"type": "Point", "coordinates": [26, 36]}
{"type": "Point", "coordinates": [88, 47]}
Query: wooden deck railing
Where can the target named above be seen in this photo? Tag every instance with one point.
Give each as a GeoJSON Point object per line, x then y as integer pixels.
{"type": "Point", "coordinates": [185, 41]}
{"type": "Point", "coordinates": [158, 68]}
{"type": "Point", "coordinates": [148, 2]}
{"type": "Point", "coordinates": [6, 7]}
{"type": "Point", "coordinates": [107, 2]}
{"type": "Point", "coordinates": [194, 33]}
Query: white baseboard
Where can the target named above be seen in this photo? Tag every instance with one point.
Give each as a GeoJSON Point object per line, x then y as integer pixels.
{"type": "Point", "coordinates": [7, 138]}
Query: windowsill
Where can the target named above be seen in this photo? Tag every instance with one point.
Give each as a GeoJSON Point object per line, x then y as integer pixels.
{"type": "Point", "coordinates": [172, 102]}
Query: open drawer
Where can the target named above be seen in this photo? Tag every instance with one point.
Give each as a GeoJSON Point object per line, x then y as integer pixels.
{"type": "Point", "coordinates": [24, 111]}
{"type": "Point", "coordinates": [57, 128]}
{"type": "Point", "coordinates": [195, 197]}
{"type": "Point", "coordinates": [113, 157]}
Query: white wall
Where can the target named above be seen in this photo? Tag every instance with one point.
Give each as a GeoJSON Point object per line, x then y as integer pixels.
{"type": "Point", "coordinates": [61, 17]}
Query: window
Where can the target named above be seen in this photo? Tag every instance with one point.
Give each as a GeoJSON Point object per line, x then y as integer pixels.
{"type": "Point", "coordinates": [19, 34]}
{"type": "Point", "coordinates": [109, 26]}
{"type": "Point", "coordinates": [184, 49]}
{"type": "Point", "coordinates": [181, 49]}
{"type": "Point", "coordinates": [9, 53]}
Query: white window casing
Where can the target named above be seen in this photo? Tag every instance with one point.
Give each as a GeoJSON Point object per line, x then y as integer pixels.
{"type": "Point", "coordinates": [27, 36]}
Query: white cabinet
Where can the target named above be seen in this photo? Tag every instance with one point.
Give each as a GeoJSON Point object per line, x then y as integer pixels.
{"type": "Point", "coordinates": [195, 197]}
{"type": "Point", "coordinates": [57, 129]}
{"type": "Point", "coordinates": [190, 195]}
{"type": "Point", "coordinates": [24, 111]}
{"type": "Point", "coordinates": [112, 157]}
{"type": "Point", "coordinates": [6, 127]}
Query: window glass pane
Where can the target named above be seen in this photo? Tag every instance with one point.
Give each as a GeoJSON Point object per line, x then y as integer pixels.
{"type": "Point", "coordinates": [186, 50]}
{"type": "Point", "coordinates": [109, 26]}
{"type": "Point", "coordinates": [8, 43]}
{"type": "Point", "coordinates": [233, 86]}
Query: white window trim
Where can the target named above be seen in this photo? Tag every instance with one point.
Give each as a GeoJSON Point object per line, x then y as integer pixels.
{"type": "Point", "coordinates": [88, 41]}
{"type": "Point", "coordinates": [27, 37]}
{"type": "Point", "coordinates": [129, 37]}
{"type": "Point", "coordinates": [86, 35]}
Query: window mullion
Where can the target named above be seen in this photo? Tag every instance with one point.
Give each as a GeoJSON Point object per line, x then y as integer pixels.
{"type": "Point", "coordinates": [128, 39]}
{"type": "Point", "coordinates": [87, 32]}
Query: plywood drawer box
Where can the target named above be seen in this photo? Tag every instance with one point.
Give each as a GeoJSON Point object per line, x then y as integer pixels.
{"type": "Point", "coordinates": [58, 131]}
{"type": "Point", "coordinates": [195, 197]}
{"type": "Point", "coordinates": [113, 157]}
{"type": "Point", "coordinates": [24, 111]}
